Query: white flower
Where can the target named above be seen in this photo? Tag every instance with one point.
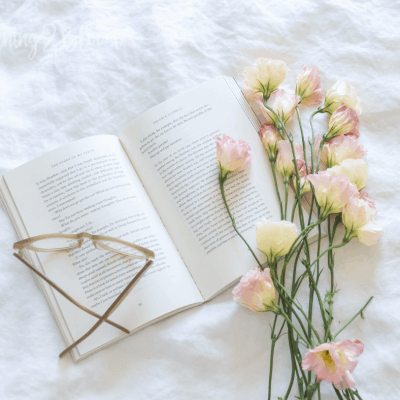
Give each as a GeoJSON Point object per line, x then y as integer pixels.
{"type": "Point", "coordinates": [356, 170]}
{"type": "Point", "coordinates": [342, 92]}
{"type": "Point", "coordinates": [266, 75]}
{"type": "Point", "coordinates": [275, 239]}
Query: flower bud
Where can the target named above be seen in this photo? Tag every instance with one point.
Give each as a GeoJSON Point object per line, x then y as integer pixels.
{"type": "Point", "coordinates": [308, 87]}
{"type": "Point", "coordinates": [275, 239]}
{"type": "Point", "coordinates": [303, 173]}
{"type": "Point", "coordinates": [270, 138]}
{"type": "Point", "coordinates": [284, 161]}
{"type": "Point", "coordinates": [256, 291]}
{"type": "Point", "coordinates": [283, 103]}
{"type": "Point", "coordinates": [343, 121]}
{"type": "Point", "coordinates": [232, 155]}
{"type": "Point", "coordinates": [266, 75]}
{"type": "Point", "coordinates": [355, 170]}
{"type": "Point", "coordinates": [341, 92]}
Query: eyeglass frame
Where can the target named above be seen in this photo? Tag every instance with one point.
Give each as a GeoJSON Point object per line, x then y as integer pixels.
{"type": "Point", "coordinates": [26, 244]}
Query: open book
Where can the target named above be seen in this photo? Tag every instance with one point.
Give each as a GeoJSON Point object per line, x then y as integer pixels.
{"type": "Point", "coordinates": [156, 185]}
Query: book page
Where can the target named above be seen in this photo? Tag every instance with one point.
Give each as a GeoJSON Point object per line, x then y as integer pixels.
{"type": "Point", "coordinates": [173, 150]}
{"type": "Point", "coordinates": [90, 186]}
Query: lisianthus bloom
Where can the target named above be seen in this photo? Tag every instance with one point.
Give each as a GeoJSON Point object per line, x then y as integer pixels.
{"type": "Point", "coordinates": [355, 170]}
{"type": "Point", "coordinates": [341, 92]}
{"type": "Point", "coordinates": [232, 155]}
{"type": "Point", "coordinates": [256, 291]}
{"type": "Point", "coordinates": [253, 96]}
{"type": "Point", "coordinates": [308, 87]}
{"type": "Point", "coordinates": [284, 161]}
{"type": "Point", "coordinates": [343, 121]}
{"type": "Point", "coordinates": [270, 138]}
{"type": "Point", "coordinates": [283, 103]}
{"type": "Point", "coordinates": [275, 239]}
{"type": "Point", "coordinates": [358, 217]}
{"type": "Point", "coordinates": [303, 173]}
{"type": "Point", "coordinates": [365, 196]}
{"type": "Point", "coordinates": [266, 75]}
{"type": "Point", "coordinates": [249, 93]}
{"type": "Point", "coordinates": [339, 148]}
{"type": "Point", "coordinates": [332, 192]}
{"type": "Point", "coordinates": [333, 362]}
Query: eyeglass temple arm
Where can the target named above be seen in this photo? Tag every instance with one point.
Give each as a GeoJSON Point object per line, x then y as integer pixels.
{"type": "Point", "coordinates": [111, 309]}
{"type": "Point", "coordinates": [59, 290]}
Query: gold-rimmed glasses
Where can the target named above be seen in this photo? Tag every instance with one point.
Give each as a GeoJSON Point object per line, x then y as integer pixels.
{"type": "Point", "coordinates": [60, 242]}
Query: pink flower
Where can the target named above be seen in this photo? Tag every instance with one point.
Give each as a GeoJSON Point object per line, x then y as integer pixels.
{"type": "Point", "coordinates": [232, 155]}
{"type": "Point", "coordinates": [333, 362]}
{"type": "Point", "coordinates": [284, 161]}
{"type": "Point", "coordinates": [339, 148]}
{"type": "Point", "coordinates": [332, 192]}
{"type": "Point", "coordinates": [308, 87]}
{"type": "Point", "coordinates": [358, 218]}
{"type": "Point", "coordinates": [283, 103]}
{"type": "Point", "coordinates": [270, 138]}
{"type": "Point", "coordinates": [365, 196]}
{"type": "Point", "coordinates": [343, 121]}
{"type": "Point", "coordinates": [256, 291]}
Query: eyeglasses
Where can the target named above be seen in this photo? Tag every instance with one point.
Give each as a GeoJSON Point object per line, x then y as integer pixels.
{"type": "Point", "coordinates": [59, 242]}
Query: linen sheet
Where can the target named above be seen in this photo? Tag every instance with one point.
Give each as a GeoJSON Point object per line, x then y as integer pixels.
{"type": "Point", "coordinates": [71, 69]}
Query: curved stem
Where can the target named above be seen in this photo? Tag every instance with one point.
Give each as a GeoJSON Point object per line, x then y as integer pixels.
{"type": "Point", "coordinates": [292, 325]}
{"type": "Point", "coordinates": [360, 312]}
{"type": "Point", "coordinates": [276, 188]}
{"type": "Point", "coordinates": [330, 248]}
{"type": "Point", "coordinates": [302, 136]}
{"type": "Point", "coordinates": [222, 180]}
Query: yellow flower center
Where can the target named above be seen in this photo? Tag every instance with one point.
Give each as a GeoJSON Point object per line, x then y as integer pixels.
{"type": "Point", "coordinates": [328, 362]}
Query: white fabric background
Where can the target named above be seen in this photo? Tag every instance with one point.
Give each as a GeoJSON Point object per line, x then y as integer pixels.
{"type": "Point", "coordinates": [59, 88]}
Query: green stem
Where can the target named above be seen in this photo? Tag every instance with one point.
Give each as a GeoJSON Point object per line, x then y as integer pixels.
{"type": "Point", "coordinates": [344, 242]}
{"type": "Point", "coordinates": [286, 196]}
{"type": "Point", "coordinates": [301, 310]}
{"type": "Point", "coordinates": [303, 234]}
{"type": "Point", "coordinates": [302, 136]}
{"type": "Point", "coordinates": [313, 139]}
{"type": "Point", "coordinates": [294, 209]}
{"type": "Point", "coordinates": [222, 180]}
{"type": "Point", "coordinates": [360, 312]}
{"type": "Point", "coordinates": [276, 188]}
{"type": "Point", "coordinates": [271, 366]}
{"type": "Point", "coordinates": [293, 326]}
{"type": "Point", "coordinates": [337, 393]}
{"type": "Point", "coordinates": [357, 394]}
{"type": "Point", "coordinates": [331, 236]}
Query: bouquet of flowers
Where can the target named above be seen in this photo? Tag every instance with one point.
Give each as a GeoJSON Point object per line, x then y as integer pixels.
{"type": "Point", "coordinates": [337, 196]}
